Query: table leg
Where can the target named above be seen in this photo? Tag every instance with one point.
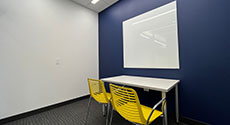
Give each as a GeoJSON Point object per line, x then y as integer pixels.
{"type": "Point", "coordinates": [165, 119]}
{"type": "Point", "coordinates": [177, 103]}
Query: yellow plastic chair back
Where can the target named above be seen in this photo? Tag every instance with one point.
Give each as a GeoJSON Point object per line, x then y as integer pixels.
{"type": "Point", "coordinates": [125, 101]}
{"type": "Point", "coordinates": [97, 90]}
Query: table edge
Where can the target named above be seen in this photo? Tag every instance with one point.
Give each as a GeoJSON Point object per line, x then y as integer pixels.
{"type": "Point", "coordinates": [150, 88]}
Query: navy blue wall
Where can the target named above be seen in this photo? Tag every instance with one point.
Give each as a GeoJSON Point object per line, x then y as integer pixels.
{"type": "Point", "coordinates": [204, 54]}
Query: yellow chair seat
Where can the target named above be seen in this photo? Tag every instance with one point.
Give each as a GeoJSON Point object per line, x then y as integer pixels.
{"type": "Point", "coordinates": [98, 93]}
{"type": "Point", "coordinates": [146, 112]}
{"type": "Point", "coordinates": [108, 95]}
{"type": "Point", "coordinates": [101, 98]}
{"type": "Point", "coordinates": [126, 102]}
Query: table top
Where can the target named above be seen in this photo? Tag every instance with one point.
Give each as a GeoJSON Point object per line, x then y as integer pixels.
{"type": "Point", "coordinates": [150, 83]}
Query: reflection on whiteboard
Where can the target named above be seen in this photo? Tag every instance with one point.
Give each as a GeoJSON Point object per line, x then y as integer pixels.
{"type": "Point", "coordinates": [151, 39]}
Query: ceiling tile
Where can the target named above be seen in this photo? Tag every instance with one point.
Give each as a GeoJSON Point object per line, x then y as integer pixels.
{"type": "Point", "coordinates": [106, 6]}
{"type": "Point", "coordinates": [98, 6]}
{"type": "Point", "coordinates": [110, 2]}
{"type": "Point", "coordinates": [82, 2]}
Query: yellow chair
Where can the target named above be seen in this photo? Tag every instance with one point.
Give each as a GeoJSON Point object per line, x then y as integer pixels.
{"type": "Point", "coordinates": [125, 101]}
{"type": "Point", "coordinates": [98, 92]}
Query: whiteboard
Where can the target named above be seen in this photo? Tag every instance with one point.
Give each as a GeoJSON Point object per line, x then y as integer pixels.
{"type": "Point", "coordinates": [150, 40]}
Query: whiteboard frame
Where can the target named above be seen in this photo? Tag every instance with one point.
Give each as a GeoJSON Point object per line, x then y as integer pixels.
{"type": "Point", "coordinates": [178, 50]}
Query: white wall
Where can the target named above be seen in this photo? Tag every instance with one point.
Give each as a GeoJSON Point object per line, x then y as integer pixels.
{"type": "Point", "coordinates": [34, 36]}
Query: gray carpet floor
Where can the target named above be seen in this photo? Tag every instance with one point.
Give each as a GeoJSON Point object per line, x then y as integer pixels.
{"type": "Point", "coordinates": [74, 114]}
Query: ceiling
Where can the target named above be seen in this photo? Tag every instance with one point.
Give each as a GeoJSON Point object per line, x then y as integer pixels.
{"type": "Point", "coordinates": [98, 7]}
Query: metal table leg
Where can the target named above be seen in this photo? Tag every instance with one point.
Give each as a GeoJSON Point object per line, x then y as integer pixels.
{"type": "Point", "coordinates": [177, 103]}
{"type": "Point", "coordinates": [165, 119]}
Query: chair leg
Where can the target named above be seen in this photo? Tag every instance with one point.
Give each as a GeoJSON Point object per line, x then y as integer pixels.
{"type": "Point", "coordinates": [111, 117]}
{"type": "Point", "coordinates": [87, 114]}
{"type": "Point", "coordinates": [107, 115]}
{"type": "Point", "coordinates": [104, 109]}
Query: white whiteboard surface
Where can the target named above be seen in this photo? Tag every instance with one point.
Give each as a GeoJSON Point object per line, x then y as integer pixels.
{"type": "Point", "coordinates": [151, 39]}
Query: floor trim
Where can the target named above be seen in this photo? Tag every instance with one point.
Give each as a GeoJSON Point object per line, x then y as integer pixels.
{"type": "Point", "coordinates": [185, 120]}
{"type": "Point", "coordinates": [33, 112]}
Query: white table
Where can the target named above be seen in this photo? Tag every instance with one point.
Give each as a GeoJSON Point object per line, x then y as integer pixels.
{"type": "Point", "coordinates": [157, 84]}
